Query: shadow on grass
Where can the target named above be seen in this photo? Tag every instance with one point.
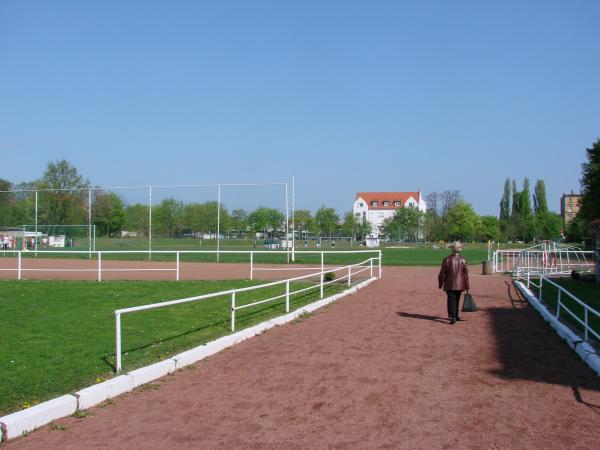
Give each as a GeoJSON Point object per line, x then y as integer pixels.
{"type": "Point", "coordinates": [247, 319]}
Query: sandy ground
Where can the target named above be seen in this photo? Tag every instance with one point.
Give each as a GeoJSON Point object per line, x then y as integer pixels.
{"type": "Point", "coordinates": [82, 269]}
{"type": "Point", "coordinates": [382, 368]}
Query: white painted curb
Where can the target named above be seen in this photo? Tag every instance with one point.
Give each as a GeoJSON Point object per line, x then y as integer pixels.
{"type": "Point", "coordinates": [585, 351]}
{"type": "Point", "coordinates": [21, 422]}
{"type": "Point", "coordinates": [150, 373]}
{"type": "Point", "coordinates": [98, 393]}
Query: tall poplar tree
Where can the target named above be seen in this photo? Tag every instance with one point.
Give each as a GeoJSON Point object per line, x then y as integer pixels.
{"type": "Point", "coordinates": [540, 204]}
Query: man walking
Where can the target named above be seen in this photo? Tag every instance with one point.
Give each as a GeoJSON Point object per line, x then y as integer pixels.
{"type": "Point", "coordinates": [454, 278]}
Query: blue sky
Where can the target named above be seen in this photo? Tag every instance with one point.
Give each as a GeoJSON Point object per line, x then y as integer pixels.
{"type": "Point", "coordinates": [347, 96]}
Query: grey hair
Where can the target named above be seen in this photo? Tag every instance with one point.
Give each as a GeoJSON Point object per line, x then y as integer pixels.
{"type": "Point", "coordinates": [457, 247]}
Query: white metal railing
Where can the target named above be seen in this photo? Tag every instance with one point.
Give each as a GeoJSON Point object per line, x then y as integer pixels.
{"type": "Point", "coordinates": [366, 265]}
{"type": "Point", "coordinates": [555, 262]}
{"type": "Point", "coordinates": [99, 268]}
{"type": "Point", "coordinates": [587, 310]}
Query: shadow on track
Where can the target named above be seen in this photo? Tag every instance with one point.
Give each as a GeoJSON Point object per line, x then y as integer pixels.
{"type": "Point", "coordinates": [422, 317]}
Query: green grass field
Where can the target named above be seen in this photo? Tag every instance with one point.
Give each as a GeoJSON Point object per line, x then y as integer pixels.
{"type": "Point", "coordinates": [585, 291]}
{"type": "Point", "coordinates": [393, 255]}
{"type": "Point", "coordinates": [58, 336]}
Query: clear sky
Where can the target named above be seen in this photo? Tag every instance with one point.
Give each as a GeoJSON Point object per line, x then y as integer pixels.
{"type": "Point", "coordinates": [347, 96]}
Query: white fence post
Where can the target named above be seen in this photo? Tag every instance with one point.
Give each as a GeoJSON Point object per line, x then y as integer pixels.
{"type": "Point", "coordinates": [287, 296]}
{"type": "Point", "coordinates": [371, 261]}
{"type": "Point", "coordinates": [349, 275]}
{"type": "Point", "coordinates": [233, 311]}
{"type": "Point", "coordinates": [251, 265]}
{"type": "Point", "coordinates": [322, 273]}
{"type": "Point", "coordinates": [177, 268]}
{"type": "Point", "coordinates": [118, 342]}
{"type": "Point", "coordinates": [99, 266]}
{"type": "Point", "coordinates": [585, 333]}
{"type": "Point", "coordinates": [19, 266]}
{"type": "Point", "coordinates": [379, 263]}
{"type": "Point", "coordinates": [557, 303]}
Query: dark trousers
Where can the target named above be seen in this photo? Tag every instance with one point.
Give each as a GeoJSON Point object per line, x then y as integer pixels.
{"type": "Point", "coordinates": [453, 301]}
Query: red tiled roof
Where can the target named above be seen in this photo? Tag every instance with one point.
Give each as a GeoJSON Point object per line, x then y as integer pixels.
{"type": "Point", "coordinates": [391, 197]}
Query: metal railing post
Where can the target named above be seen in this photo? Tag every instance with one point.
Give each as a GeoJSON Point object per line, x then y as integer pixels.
{"type": "Point", "coordinates": [19, 266]}
{"type": "Point", "coordinates": [118, 342]}
{"type": "Point", "coordinates": [379, 263]}
{"type": "Point", "coordinates": [371, 261]}
{"type": "Point", "coordinates": [349, 275]}
{"type": "Point", "coordinates": [251, 265]}
{"type": "Point", "coordinates": [287, 296]}
{"type": "Point", "coordinates": [541, 282]}
{"type": "Point", "coordinates": [177, 264]}
{"type": "Point", "coordinates": [322, 273]}
{"type": "Point", "coordinates": [558, 305]}
{"type": "Point", "coordinates": [99, 266]}
{"type": "Point", "coordinates": [527, 280]}
{"type": "Point", "coordinates": [585, 333]}
{"type": "Point", "coordinates": [233, 311]}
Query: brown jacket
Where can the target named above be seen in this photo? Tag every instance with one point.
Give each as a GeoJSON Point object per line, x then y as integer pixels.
{"type": "Point", "coordinates": [454, 275]}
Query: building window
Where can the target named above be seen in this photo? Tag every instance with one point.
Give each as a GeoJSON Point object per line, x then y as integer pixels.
{"type": "Point", "coordinates": [396, 203]}
{"type": "Point", "coordinates": [360, 204]}
{"type": "Point", "coordinates": [374, 203]}
{"type": "Point", "coordinates": [386, 203]}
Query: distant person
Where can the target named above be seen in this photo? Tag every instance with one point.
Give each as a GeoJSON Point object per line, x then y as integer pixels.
{"type": "Point", "coordinates": [305, 243]}
{"type": "Point", "coordinates": [454, 279]}
{"type": "Point", "coordinates": [332, 244]}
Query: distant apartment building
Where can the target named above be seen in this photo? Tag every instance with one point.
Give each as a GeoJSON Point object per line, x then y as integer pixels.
{"type": "Point", "coordinates": [378, 206]}
{"type": "Point", "coordinates": [569, 206]}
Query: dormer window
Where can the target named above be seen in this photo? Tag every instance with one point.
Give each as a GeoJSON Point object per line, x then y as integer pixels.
{"type": "Point", "coordinates": [386, 203]}
{"type": "Point", "coordinates": [396, 203]}
{"type": "Point", "coordinates": [374, 203]}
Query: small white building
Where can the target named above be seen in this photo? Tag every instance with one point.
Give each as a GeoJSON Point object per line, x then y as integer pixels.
{"type": "Point", "coordinates": [378, 206]}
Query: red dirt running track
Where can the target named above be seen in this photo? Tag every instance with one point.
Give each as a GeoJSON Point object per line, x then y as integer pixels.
{"type": "Point", "coordinates": [379, 369]}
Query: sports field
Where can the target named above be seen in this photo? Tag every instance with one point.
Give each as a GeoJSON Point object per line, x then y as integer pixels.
{"type": "Point", "coordinates": [393, 254]}
{"type": "Point", "coordinates": [58, 336]}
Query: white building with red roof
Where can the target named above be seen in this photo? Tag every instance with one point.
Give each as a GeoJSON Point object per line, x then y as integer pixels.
{"type": "Point", "coordinates": [378, 206]}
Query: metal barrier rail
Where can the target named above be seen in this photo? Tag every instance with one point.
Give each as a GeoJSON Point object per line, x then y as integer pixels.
{"type": "Point", "coordinates": [559, 305]}
{"type": "Point", "coordinates": [233, 293]}
{"type": "Point", "coordinates": [100, 270]}
{"type": "Point", "coordinates": [504, 261]}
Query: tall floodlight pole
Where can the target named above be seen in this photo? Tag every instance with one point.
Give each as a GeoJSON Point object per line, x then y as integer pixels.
{"type": "Point", "coordinates": [36, 221]}
{"type": "Point", "coordinates": [287, 224]}
{"type": "Point", "coordinates": [293, 218]}
{"type": "Point", "coordinates": [90, 222]}
{"type": "Point", "coordinates": [218, 219]}
{"type": "Point", "coordinates": [149, 222]}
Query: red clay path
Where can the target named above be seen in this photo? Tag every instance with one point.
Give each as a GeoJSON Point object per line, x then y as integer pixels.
{"type": "Point", "coordinates": [382, 368]}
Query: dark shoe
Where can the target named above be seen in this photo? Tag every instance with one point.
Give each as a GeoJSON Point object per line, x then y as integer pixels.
{"type": "Point", "coordinates": [458, 319]}
{"type": "Point", "coordinates": [452, 321]}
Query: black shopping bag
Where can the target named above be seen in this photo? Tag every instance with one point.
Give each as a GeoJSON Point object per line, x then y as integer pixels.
{"type": "Point", "coordinates": [468, 303]}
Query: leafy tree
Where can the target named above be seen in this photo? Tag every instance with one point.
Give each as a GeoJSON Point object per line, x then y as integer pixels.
{"type": "Point", "coordinates": [167, 216]}
{"type": "Point", "coordinates": [505, 210]}
{"type": "Point", "coordinates": [349, 224]}
{"type": "Point", "coordinates": [327, 220]}
{"type": "Point", "coordinates": [63, 206]}
{"type": "Point", "coordinates": [463, 222]}
{"type": "Point", "coordinates": [575, 231]}
{"type": "Point", "coordinates": [239, 220]}
{"type": "Point", "coordinates": [266, 220]}
{"type": "Point", "coordinates": [363, 229]}
{"type": "Point", "coordinates": [108, 212]}
{"type": "Point", "coordinates": [489, 229]}
{"type": "Point", "coordinates": [525, 206]}
{"type": "Point", "coordinates": [590, 184]}
{"type": "Point", "coordinates": [136, 218]}
{"type": "Point", "coordinates": [405, 224]}
{"type": "Point", "coordinates": [302, 220]}
{"type": "Point", "coordinates": [540, 203]}
{"type": "Point", "coordinates": [6, 203]}
{"type": "Point", "coordinates": [546, 225]}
